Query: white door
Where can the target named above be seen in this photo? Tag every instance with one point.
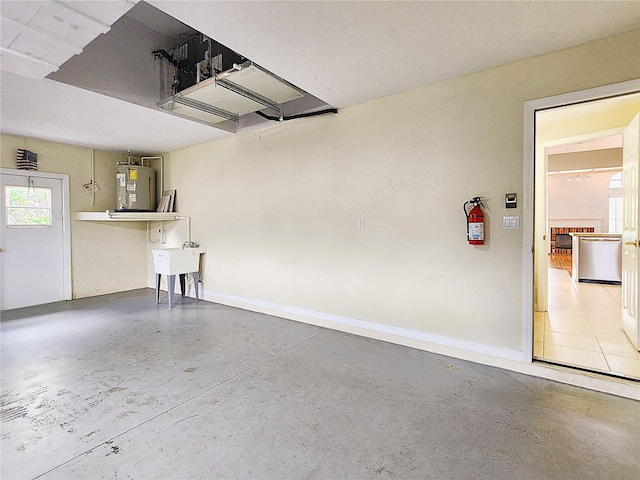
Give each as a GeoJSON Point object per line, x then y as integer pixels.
{"type": "Point", "coordinates": [32, 240]}
{"type": "Point", "coordinates": [630, 257]}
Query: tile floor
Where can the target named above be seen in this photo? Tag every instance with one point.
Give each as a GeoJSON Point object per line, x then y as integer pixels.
{"type": "Point", "coordinates": [583, 327]}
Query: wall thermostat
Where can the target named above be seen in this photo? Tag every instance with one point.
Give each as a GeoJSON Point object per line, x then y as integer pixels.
{"type": "Point", "coordinates": [510, 200]}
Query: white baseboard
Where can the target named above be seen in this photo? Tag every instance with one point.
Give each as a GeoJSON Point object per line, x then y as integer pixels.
{"type": "Point", "coordinates": [513, 360]}
{"type": "Point", "coordinates": [361, 327]}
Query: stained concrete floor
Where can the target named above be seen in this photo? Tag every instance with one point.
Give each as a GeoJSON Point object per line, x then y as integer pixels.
{"type": "Point", "coordinates": [117, 387]}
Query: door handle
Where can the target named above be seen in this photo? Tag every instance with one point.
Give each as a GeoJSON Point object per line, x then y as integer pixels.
{"type": "Point", "coordinates": [633, 244]}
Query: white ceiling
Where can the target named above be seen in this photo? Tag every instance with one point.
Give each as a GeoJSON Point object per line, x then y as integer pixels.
{"type": "Point", "coordinates": [344, 53]}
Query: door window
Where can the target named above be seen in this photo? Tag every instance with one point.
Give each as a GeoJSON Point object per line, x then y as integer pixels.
{"type": "Point", "coordinates": [28, 206]}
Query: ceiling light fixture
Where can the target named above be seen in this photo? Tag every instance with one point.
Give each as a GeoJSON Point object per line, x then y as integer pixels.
{"type": "Point", "coordinates": [578, 178]}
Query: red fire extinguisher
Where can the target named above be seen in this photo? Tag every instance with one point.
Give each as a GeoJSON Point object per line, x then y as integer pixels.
{"type": "Point", "coordinates": [475, 221]}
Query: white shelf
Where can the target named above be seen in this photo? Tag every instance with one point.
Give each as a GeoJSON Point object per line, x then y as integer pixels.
{"type": "Point", "coordinates": [113, 216]}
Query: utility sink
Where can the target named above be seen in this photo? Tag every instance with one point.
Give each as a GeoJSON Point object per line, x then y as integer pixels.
{"type": "Point", "coordinates": [175, 261]}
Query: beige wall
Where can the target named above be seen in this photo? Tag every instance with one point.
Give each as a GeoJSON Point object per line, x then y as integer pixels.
{"type": "Point", "coordinates": [104, 257]}
{"type": "Point", "coordinates": [277, 209]}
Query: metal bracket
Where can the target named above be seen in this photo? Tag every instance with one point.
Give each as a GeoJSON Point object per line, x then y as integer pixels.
{"type": "Point", "coordinates": [203, 107]}
{"type": "Point", "coordinates": [245, 92]}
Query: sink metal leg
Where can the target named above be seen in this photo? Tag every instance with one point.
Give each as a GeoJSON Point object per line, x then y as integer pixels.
{"type": "Point", "coordinates": [171, 287]}
{"type": "Point", "coordinates": [196, 281]}
{"type": "Point", "coordinates": [182, 284]}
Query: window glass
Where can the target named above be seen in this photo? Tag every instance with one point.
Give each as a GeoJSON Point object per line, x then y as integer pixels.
{"type": "Point", "coordinates": [28, 206]}
{"type": "Point", "coordinates": [615, 214]}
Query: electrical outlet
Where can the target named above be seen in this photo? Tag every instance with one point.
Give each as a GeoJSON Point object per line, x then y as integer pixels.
{"type": "Point", "coordinates": [361, 224]}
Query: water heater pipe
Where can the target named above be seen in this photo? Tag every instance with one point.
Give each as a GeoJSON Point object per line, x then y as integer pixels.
{"type": "Point", "coordinates": [161, 170]}
{"type": "Point", "coordinates": [188, 219]}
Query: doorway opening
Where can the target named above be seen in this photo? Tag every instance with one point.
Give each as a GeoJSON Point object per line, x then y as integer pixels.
{"type": "Point", "coordinates": [581, 207]}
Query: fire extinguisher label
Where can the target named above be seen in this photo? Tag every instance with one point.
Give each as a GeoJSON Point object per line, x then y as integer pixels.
{"type": "Point", "coordinates": [476, 231]}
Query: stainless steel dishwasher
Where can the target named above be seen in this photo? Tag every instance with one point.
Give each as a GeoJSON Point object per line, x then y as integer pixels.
{"type": "Point", "coordinates": [600, 260]}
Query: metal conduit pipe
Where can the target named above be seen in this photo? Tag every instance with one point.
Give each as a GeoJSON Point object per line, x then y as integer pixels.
{"type": "Point", "coordinates": [188, 219]}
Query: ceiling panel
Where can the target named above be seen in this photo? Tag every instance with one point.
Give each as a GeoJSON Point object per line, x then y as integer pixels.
{"type": "Point", "coordinates": [67, 25]}
{"type": "Point", "coordinates": [20, 11]}
{"type": "Point", "coordinates": [9, 31]}
{"type": "Point", "coordinates": [105, 11]}
{"type": "Point", "coordinates": [22, 39]}
{"type": "Point", "coordinates": [20, 64]}
{"type": "Point", "coordinates": [38, 37]}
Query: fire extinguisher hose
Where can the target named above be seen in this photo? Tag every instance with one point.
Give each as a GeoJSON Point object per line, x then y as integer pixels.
{"type": "Point", "coordinates": [466, 214]}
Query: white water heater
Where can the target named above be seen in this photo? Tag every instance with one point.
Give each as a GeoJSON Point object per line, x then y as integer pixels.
{"type": "Point", "coordinates": [135, 188]}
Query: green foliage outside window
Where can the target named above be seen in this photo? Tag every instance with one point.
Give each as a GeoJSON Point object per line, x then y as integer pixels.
{"type": "Point", "coordinates": [28, 206]}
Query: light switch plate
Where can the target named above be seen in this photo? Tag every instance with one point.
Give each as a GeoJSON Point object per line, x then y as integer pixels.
{"type": "Point", "coordinates": [511, 222]}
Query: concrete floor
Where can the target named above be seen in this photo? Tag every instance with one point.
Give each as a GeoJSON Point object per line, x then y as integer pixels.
{"type": "Point", "coordinates": [117, 387]}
